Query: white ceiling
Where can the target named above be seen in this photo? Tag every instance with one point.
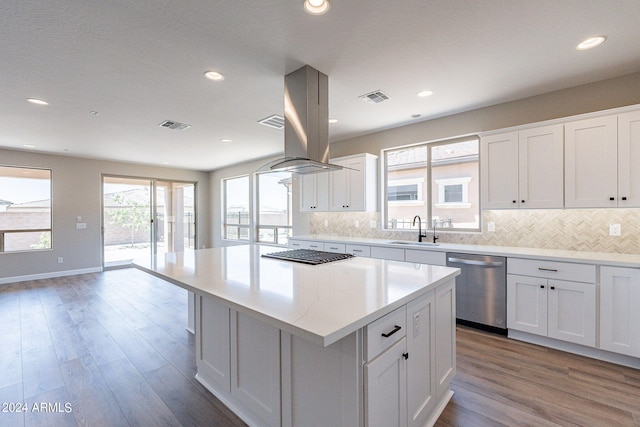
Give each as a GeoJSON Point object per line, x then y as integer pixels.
{"type": "Point", "coordinates": [140, 62]}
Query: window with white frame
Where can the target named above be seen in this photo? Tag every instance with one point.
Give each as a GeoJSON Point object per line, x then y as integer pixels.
{"type": "Point", "coordinates": [25, 209]}
{"type": "Point", "coordinates": [236, 211]}
{"type": "Point", "coordinates": [439, 181]}
{"type": "Point", "coordinates": [274, 207]}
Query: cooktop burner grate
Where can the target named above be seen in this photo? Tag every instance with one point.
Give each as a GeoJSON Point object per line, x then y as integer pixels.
{"type": "Point", "coordinates": [308, 256]}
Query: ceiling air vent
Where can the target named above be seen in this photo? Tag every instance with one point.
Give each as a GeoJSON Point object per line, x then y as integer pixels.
{"type": "Point", "coordinates": [374, 97]}
{"type": "Point", "coordinates": [170, 124]}
{"type": "Point", "coordinates": [274, 121]}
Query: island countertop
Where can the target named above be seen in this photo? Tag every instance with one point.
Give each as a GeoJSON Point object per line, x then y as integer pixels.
{"type": "Point", "coordinates": [321, 303]}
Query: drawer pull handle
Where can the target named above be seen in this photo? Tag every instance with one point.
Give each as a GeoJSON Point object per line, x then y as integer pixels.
{"type": "Point", "coordinates": [553, 270]}
{"type": "Point", "coordinates": [405, 355]}
{"type": "Point", "coordinates": [357, 250]}
{"type": "Point", "coordinates": [395, 329]}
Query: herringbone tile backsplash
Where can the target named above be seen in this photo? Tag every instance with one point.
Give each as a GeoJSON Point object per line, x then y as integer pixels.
{"type": "Point", "coordinates": [571, 229]}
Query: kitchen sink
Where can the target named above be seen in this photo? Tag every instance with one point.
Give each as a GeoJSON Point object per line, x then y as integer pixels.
{"type": "Point", "coordinates": [404, 242]}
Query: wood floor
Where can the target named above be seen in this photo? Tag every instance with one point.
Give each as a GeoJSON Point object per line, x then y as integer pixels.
{"type": "Point", "coordinates": [110, 349]}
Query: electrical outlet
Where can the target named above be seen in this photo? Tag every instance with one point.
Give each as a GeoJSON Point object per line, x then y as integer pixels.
{"type": "Point", "coordinates": [491, 227]}
{"type": "Point", "coordinates": [60, 260]}
{"type": "Point", "coordinates": [373, 224]}
{"type": "Point", "coordinates": [615, 230]}
{"type": "Point", "coordinates": [326, 223]}
{"type": "Point", "coordinates": [357, 223]}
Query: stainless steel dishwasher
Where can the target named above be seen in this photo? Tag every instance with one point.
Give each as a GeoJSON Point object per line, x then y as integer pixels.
{"type": "Point", "coordinates": [481, 291]}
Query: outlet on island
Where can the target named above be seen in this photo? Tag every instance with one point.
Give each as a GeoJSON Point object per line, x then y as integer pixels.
{"type": "Point", "coordinates": [615, 230]}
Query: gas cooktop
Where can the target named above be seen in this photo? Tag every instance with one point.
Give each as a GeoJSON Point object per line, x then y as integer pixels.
{"type": "Point", "coordinates": [308, 256]}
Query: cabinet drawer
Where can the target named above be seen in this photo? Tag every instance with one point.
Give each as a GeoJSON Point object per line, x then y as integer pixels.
{"type": "Point", "coordinates": [425, 257]}
{"type": "Point", "coordinates": [304, 244]}
{"type": "Point", "coordinates": [393, 254]}
{"type": "Point", "coordinates": [552, 270]}
{"type": "Point", "coordinates": [359, 250]}
{"type": "Point", "coordinates": [384, 332]}
{"type": "Point", "coordinates": [335, 247]}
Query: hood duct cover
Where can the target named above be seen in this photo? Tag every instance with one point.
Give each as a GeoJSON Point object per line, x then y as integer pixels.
{"type": "Point", "coordinates": [306, 124]}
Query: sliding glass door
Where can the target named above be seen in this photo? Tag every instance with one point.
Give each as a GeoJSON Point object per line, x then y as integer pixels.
{"type": "Point", "coordinates": [142, 217]}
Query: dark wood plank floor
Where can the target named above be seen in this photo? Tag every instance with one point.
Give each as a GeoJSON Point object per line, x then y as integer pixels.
{"type": "Point", "coordinates": [113, 346]}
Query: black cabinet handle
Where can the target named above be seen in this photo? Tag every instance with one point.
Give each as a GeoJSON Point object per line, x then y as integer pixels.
{"type": "Point", "coordinates": [405, 355]}
{"type": "Point", "coordinates": [521, 201]}
{"type": "Point", "coordinates": [612, 198]}
{"type": "Point", "coordinates": [515, 201]}
{"type": "Point", "coordinates": [553, 288]}
{"type": "Point", "coordinates": [553, 270]}
{"type": "Point", "coordinates": [541, 286]}
{"type": "Point", "coordinates": [395, 329]}
{"type": "Point", "coordinates": [624, 198]}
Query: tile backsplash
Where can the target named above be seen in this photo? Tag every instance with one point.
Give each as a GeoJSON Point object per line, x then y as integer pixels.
{"type": "Point", "coordinates": [571, 229]}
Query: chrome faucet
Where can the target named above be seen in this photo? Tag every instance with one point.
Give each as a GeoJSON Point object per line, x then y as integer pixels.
{"type": "Point", "coordinates": [420, 235]}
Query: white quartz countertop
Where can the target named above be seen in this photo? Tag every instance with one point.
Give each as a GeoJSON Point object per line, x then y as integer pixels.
{"type": "Point", "coordinates": [321, 303]}
{"type": "Point", "coordinates": [602, 258]}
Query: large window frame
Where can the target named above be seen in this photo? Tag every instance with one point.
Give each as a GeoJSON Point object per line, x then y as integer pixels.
{"type": "Point", "coordinates": [30, 229]}
{"type": "Point", "coordinates": [435, 189]}
{"type": "Point", "coordinates": [233, 227]}
{"type": "Point", "coordinates": [273, 231]}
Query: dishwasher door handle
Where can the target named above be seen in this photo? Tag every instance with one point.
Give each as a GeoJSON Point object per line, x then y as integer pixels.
{"type": "Point", "coordinates": [476, 262]}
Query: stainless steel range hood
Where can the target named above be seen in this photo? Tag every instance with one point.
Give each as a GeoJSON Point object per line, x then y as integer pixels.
{"type": "Point", "coordinates": [306, 124]}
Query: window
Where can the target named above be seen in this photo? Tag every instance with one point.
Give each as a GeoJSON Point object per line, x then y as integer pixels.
{"type": "Point", "coordinates": [237, 217]}
{"type": "Point", "coordinates": [25, 209]}
{"type": "Point", "coordinates": [438, 181]}
{"type": "Point", "coordinates": [274, 207]}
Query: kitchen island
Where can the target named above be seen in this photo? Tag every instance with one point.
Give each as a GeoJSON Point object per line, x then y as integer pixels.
{"type": "Point", "coordinates": [350, 343]}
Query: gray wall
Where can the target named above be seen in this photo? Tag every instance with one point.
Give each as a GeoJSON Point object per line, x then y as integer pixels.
{"type": "Point", "coordinates": [76, 188]}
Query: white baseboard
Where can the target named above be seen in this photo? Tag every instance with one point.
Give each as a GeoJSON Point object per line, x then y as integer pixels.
{"type": "Point", "coordinates": [5, 280]}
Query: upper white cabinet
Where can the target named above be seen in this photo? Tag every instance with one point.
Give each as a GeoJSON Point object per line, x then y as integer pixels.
{"type": "Point", "coordinates": [591, 163]}
{"type": "Point", "coordinates": [523, 169]}
{"type": "Point", "coordinates": [353, 188]}
{"type": "Point", "coordinates": [314, 189]}
{"type": "Point", "coordinates": [619, 314]}
{"type": "Point", "coordinates": [628, 159]}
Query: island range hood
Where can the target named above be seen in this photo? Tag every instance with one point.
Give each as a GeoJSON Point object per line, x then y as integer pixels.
{"type": "Point", "coordinates": [306, 124]}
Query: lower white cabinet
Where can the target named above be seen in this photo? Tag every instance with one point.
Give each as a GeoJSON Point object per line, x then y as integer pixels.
{"type": "Point", "coordinates": [392, 254]}
{"type": "Point", "coordinates": [406, 382]}
{"type": "Point", "coordinates": [619, 312]}
{"type": "Point", "coordinates": [554, 308]}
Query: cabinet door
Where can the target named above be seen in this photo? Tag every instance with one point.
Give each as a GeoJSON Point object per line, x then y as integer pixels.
{"type": "Point", "coordinates": [541, 167]}
{"type": "Point", "coordinates": [619, 313]}
{"type": "Point", "coordinates": [527, 304]}
{"type": "Point", "coordinates": [314, 189]}
{"type": "Point", "coordinates": [421, 386]}
{"type": "Point", "coordinates": [445, 335]}
{"type": "Point", "coordinates": [355, 184]}
{"type": "Point", "coordinates": [591, 163]}
{"type": "Point", "coordinates": [212, 342]}
{"type": "Point", "coordinates": [499, 171]}
{"type": "Point", "coordinates": [385, 385]}
{"type": "Point", "coordinates": [628, 159]}
{"type": "Point", "coordinates": [338, 188]}
{"type": "Point", "coordinates": [255, 375]}
{"type": "Point", "coordinates": [572, 312]}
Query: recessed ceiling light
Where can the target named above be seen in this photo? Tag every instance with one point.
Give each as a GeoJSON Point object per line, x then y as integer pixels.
{"type": "Point", "coordinates": [316, 7]}
{"type": "Point", "coordinates": [94, 113]}
{"type": "Point", "coordinates": [425, 93]}
{"type": "Point", "coordinates": [591, 42]}
{"type": "Point", "coordinates": [333, 120]}
{"type": "Point", "coordinates": [225, 140]}
{"type": "Point", "coordinates": [214, 75]}
{"type": "Point", "coordinates": [37, 101]}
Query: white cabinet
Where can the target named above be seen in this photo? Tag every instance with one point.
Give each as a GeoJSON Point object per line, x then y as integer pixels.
{"type": "Point", "coordinates": [628, 159]}
{"type": "Point", "coordinates": [619, 313]}
{"type": "Point", "coordinates": [409, 369]}
{"type": "Point", "coordinates": [385, 382]}
{"type": "Point", "coordinates": [425, 257]}
{"type": "Point", "coordinates": [314, 192]}
{"type": "Point", "coordinates": [591, 163]}
{"type": "Point", "coordinates": [560, 309]}
{"type": "Point", "coordinates": [523, 169]}
{"type": "Point", "coordinates": [339, 248]}
{"type": "Point", "coordinates": [212, 341]}
{"type": "Point", "coordinates": [353, 188]}
{"type": "Point", "coordinates": [358, 250]}
{"type": "Point", "coordinates": [305, 244]}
